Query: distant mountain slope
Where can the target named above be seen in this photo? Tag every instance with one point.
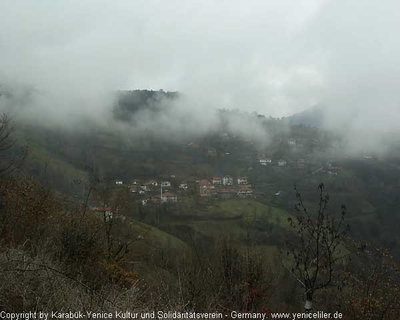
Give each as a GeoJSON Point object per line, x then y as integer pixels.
{"type": "Point", "coordinates": [130, 102]}
{"type": "Point", "coordinates": [312, 117]}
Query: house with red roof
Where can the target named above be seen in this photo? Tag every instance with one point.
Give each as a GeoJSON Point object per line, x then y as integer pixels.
{"type": "Point", "coordinates": [169, 197]}
{"type": "Point", "coordinates": [244, 191]}
{"type": "Point", "coordinates": [206, 188]}
{"type": "Point", "coordinates": [105, 211]}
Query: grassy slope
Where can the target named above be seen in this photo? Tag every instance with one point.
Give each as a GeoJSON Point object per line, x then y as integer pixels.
{"type": "Point", "coordinates": [154, 237]}
{"type": "Point", "coordinates": [246, 209]}
{"type": "Point", "coordinates": [232, 217]}
{"type": "Point", "coordinates": [41, 161]}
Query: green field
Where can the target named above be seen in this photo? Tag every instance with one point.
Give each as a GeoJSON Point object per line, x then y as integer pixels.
{"type": "Point", "coordinates": [234, 218]}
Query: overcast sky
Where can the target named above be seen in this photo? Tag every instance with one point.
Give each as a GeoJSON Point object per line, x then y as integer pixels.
{"type": "Point", "coordinates": [273, 57]}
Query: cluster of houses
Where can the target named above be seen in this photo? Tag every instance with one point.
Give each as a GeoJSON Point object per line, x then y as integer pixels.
{"type": "Point", "coordinates": [262, 160]}
{"type": "Point", "coordinates": [161, 198]}
{"type": "Point", "coordinates": [142, 187]}
{"type": "Point", "coordinates": [225, 187]}
{"type": "Point", "coordinates": [153, 190]}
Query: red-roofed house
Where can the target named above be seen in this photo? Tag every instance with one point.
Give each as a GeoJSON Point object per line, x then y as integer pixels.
{"type": "Point", "coordinates": [169, 197]}
{"type": "Point", "coordinates": [104, 211]}
{"type": "Point", "coordinates": [244, 191]}
{"type": "Point", "coordinates": [205, 188]}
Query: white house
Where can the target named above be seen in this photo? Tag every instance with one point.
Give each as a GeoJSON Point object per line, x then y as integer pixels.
{"type": "Point", "coordinates": [105, 212]}
{"type": "Point", "coordinates": [242, 180]}
{"type": "Point", "coordinates": [165, 184]}
{"type": "Point", "coordinates": [169, 197]}
{"type": "Point", "coordinates": [145, 188]}
{"type": "Point", "coordinates": [264, 161]}
{"type": "Point", "coordinates": [282, 163]}
{"type": "Point", "coordinates": [152, 183]}
{"type": "Point", "coordinates": [227, 181]}
{"type": "Point", "coordinates": [217, 180]}
{"type": "Point", "coordinates": [119, 183]}
{"type": "Point", "coordinates": [183, 186]}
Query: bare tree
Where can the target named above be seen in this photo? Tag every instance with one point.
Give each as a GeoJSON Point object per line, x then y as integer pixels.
{"type": "Point", "coordinates": [372, 287]}
{"type": "Point", "coordinates": [316, 245]}
{"type": "Point", "coordinates": [5, 132]}
{"type": "Point", "coordinates": [8, 162]}
{"type": "Point", "coordinates": [109, 203]}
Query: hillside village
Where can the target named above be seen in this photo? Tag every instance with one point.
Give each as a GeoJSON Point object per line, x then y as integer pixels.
{"type": "Point", "coordinates": [155, 191]}
{"type": "Point", "coordinates": [181, 160]}
{"type": "Point", "coordinates": [152, 191]}
{"type": "Point", "coordinates": [176, 187]}
{"type": "Point", "coordinates": [164, 199]}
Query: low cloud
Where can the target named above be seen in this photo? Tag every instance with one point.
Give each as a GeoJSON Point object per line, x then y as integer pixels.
{"type": "Point", "coordinates": [63, 61]}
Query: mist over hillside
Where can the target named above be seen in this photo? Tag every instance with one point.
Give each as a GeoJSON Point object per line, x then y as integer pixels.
{"type": "Point", "coordinates": [175, 116]}
{"type": "Point", "coordinates": [199, 159]}
{"type": "Point", "coordinates": [313, 117]}
{"type": "Point", "coordinates": [69, 68]}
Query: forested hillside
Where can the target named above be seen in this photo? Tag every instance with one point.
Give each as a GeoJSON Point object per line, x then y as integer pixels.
{"type": "Point", "coordinates": [102, 218]}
